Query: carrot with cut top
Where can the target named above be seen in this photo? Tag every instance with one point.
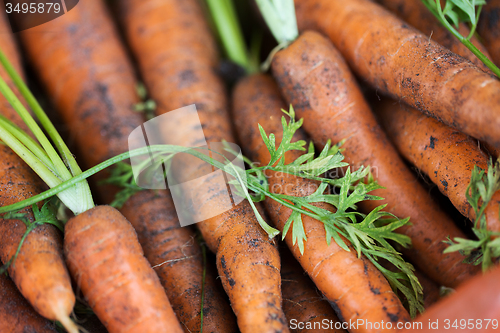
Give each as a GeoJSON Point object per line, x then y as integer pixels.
{"type": "Point", "coordinates": [16, 315]}
{"type": "Point", "coordinates": [418, 15]}
{"type": "Point", "coordinates": [99, 112]}
{"type": "Point", "coordinates": [39, 270]}
{"type": "Point", "coordinates": [313, 76]}
{"type": "Point", "coordinates": [400, 61]}
{"type": "Point", "coordinates": [358, 290]}
{"type": "Point", "coordinates": [301, 300]}
{"type": "Point", "coordinates": [177, 56]}
{"type": "Point", "coordinates": [444, 154]}
{"type": "Point", "coordinates": [489, 28]}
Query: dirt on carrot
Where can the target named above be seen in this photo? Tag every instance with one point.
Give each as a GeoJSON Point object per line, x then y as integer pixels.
{"type": "Point", "coordinates": [402, 62]}
{"type": "Point", "coordinates": [313, 77]}
{"type": "Point", "coordinates": [357, 289]}
{"type": "Point", "coordinates": [444, 154]}
{"type": "Point", "coordinates": [416, 14]}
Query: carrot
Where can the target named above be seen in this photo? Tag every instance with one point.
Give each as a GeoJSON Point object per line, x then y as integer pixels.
{"type": "Point", "coordinates": [39, 270]}
{"type": "Point", "coordinates": [400, 61]}
{"type": "Point", "coordinates": [302, 302]}
{"type": "Point", "coordinates": [416, 13]}
{"type": "Point", "coordinates": [101, 135]}
{"type": "Point", "coordinates": [177, 259]}
{"type": "Point", "coordinates": [107, 262]}
{"type": "Point", "coordinates": [177, 57]}
{"type": "Point", "coordinates": [313, 76]}
{"type": "Point", "coordinates": [489, 28]}
{"type": "Point", "coordinates": [474, 307]}
{"type": "Point", "coordinates": [354, 285]}
{"type": "Point", "coordinates": [445, 155]}
{"type": "Point", "coordinates": [16, 315]}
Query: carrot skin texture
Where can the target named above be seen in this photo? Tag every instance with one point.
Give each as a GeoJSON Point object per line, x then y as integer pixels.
{"type": "Point", "coordinates": [400, 61]}
{"type": "Point", "coordinates": [301, 300]}
{"type": "Point", "coordinates": [444, 154]}
{"type": "Point", "coordinates": [360, 289]}
{"type": "Point", "coordinates": [489, 28]}
{"type": "Point", "coordinates": [107, 262]}
{"type": "Point", "coordinates": [179, 259]}
{"type": "Point", "coordinates": [416, 13]}
{"type": "Point", "coordinates": [16, 315]}
{"type": "Point", "coordinates": [313, 77]}
{"type": "Point", "coordinates": [476, 299]}
{"type": "Point", "coordinates": [39, 271]}
{"type": "Point", "coordinates": [178, 66]}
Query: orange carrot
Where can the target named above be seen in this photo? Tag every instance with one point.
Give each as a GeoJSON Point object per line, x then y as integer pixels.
{"type": "Point", "coordinates": [445, 155]}
{"type": "Point", "coordinates": [39, 270]}
{"type": "Point", "coordinates": [177, 259]}
{"type": "Point", "coordinates": [302, 302]}
{"type": "Point", "coordinates": [313, 77]}
{"type": "Point", "coordinates": [177, 57]}
{"type": "Point", "coordinates": [111, 86]}
{"type": "Point", "coordinates": [416, 13]}
{"type": "Point", "coordinates": [107, 262]}
{"type": "Point", "coordinates": [474, 307]}
{"type": "Point", "coordinates": [489, 28]}
{"type": "Point", "coordinates": [398, 60]}
{"type": "Point", "coordinates": [354, 285]}
{"type": "Point", "coordinates": [16, 315]}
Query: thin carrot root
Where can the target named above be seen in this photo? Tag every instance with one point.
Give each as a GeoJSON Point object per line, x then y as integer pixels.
{"type": "Point", "coordinates": [68, 324]}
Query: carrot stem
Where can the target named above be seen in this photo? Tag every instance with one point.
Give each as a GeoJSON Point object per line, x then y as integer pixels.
{"type": "Point", "coordinates": [280, 18]}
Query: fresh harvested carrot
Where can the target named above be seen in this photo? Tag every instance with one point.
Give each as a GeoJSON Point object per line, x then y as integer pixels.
{"type": "Point", "coordinates": [489, 28]}
{"type": "Point", "coordinates": [177, 259]}
{"type": "Point", "coordinates": [474, 307]}
{"type": "Point", "coordinates": [354, 285]}
{"type": "Point", "coordinates": [398, 60]}
{"type": "Point", "coordinates": [39, 270]}
{"type": "Point", "coordinates": [302, 302]}
{"type": "Point", "coordinates": [107, 262]}
{"type": "Point", "coordinates": [110, 87]}
{"type": "Point", "coordinates": [445, 155]}
{"type": "Point", "coordinates": [16, 315]}
{"type": "Point", "coordinates": [177, 56]}
{"type": "Point", "coordinates": [416, 13]}
{"type": "Point", "coordinates": [313, 77]}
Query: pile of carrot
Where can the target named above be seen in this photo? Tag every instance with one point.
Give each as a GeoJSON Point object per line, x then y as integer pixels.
{"type": "Point", "coordinates": [385, 79]}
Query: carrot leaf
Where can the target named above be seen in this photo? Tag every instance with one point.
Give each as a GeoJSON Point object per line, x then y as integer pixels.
{"type": "Point", "coordinates": [486, 249]}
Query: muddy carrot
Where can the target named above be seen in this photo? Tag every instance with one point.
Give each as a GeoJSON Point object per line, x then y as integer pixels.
{"type": "Point", "coordinates": [177, 56]}
{"type": "Point", "coordinates": [357, 289]}
{"type": "Point", "coordinates": [489, 28]}
{"type": "Point", "coordinates": [416, 14]}
{"type": "Point", "coordinates": [313, 76]}
{"type": "Point", "coordinates": [400, 61]}
{"type": "Point", "coordinates": [39, 270]}
{"type": "Point", "coordinates": [99, 112]}
{"type": "Point", "coordinates": [444, 154]}
{"type": "Point", "coordinates": [16, 315]}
